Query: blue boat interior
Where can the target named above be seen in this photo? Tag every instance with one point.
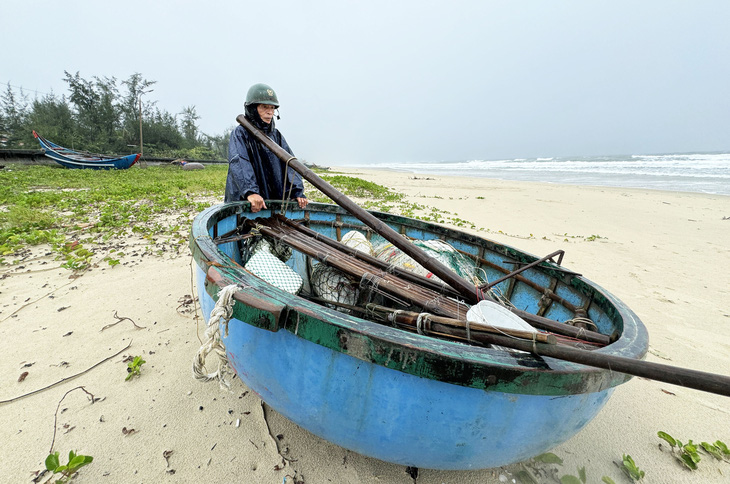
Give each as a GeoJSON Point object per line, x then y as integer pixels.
{"type": "Point", "coordinates": [548, 289]}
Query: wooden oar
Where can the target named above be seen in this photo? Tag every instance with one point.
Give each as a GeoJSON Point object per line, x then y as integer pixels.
{"type": "Point", "coordinates": [466, 289]}
{"type": "Point", "coordinates": [698, 380]}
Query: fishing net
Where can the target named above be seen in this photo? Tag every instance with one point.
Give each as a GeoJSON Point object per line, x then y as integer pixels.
{"type": "Point", "coordinates": [254, 244]}
{"type": "Point", "coordinates": [263, 263]}
{"type": "Point", "coordinates": [333, 285]}
{"type": "Point", "coordinates": [436, 248]}
{"type": "Point", "coordinates": [358, 241]}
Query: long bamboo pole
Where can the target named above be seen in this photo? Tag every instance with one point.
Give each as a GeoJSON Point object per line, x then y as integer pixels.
{"type": "Point", "coordinates": [697, 380]}
{"type": "Point", "coordinates": [466, 289]}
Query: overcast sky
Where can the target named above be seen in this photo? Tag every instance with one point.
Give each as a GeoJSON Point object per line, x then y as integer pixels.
{"type": "Point", "coordinates": [381, 81]}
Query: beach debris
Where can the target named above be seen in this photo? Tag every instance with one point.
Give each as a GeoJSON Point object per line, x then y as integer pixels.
{"type": "Point", "coordinates": [129, 431]}
{"type": "Point", "coordinates": [186, 302]}
{"type": "Point", "coordinates": [55, 424]}
{"type": "Point", "coordinates": [22, 376]}
{"type": "Point", "coordinates": [294, 479]}
{"type": "Point", "coordinates": [62, 308]}
{"type": "Point", "coordinates": [413, 472]}
{"type": "Point", "coordinates": [68, 334]}
{"type": "Point", "coordinates": [66, 379]}
{"type": "Point", "coordinates": [38, 475]}
{"type": "Point", "coordinates": [119, 320]}
{"type": "Point", "coordinates": [166, 455]}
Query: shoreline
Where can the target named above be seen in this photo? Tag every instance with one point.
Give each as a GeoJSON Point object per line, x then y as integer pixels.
{"type": "Point", "coordinates": [663, 253]}
{"type": "Point", "coordinates": [595, 180]}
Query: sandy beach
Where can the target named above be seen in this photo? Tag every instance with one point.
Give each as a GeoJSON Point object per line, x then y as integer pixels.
{"type": "Point", "coordinates": [665, 254]}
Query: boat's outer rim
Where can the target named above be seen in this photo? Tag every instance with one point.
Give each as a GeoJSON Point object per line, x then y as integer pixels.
{"type": "Point", "coordinates": [561, 377]}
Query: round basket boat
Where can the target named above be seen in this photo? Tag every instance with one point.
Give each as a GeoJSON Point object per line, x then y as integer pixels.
{"type": "Point", "coordinates": [399, 396]}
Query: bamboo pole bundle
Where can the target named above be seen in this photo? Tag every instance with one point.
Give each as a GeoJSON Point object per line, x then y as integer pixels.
{"type": "Point", "coordinates": [382, 280]}
{"type": "Point", "coordinates": [402, 273]}
{"type": "Point", "coordinates": [367, 274]}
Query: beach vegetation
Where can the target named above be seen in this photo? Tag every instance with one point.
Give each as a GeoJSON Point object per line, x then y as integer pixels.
{"type": "Point", "coordinates": [544, 468]}
{"type": "Point", "coordinates": [67, 471]}
{"type": "Point", "coordinates": [687, 453]}
{"type": "Point", "coordinates": [134, 367]}
{"type": "Point", "coordinates": [589, 238]}
{"type": "Point", "coordinates": [629, 467]}
{"type": "Point", "coordinates": [77, 213]}
{"type": "Point", "coordinates": [713, 449]}
{"type": "Point", "coordinates": [81, 213]}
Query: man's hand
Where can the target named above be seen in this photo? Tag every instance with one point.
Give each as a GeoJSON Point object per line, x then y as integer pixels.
{"type": "Point", "coordinates": [302, 202]}
{"type": "Point", "coordinates": [257, 203]}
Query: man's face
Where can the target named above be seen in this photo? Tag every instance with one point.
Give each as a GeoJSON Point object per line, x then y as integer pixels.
{"type": "Point", "coordinates": [266, 111]}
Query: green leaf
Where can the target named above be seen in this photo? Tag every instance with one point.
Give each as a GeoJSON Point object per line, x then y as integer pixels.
{"type": "Point", "coordinates": [689, 462]}
{"type": "Point", "coordinates": [630, 468]}
{"type": "Point", "coordinates": [52, 462]}
{"type": "Point", "coordinates": [582, 474]}
{"type": "Point", "coordinates": [524, 477]}
{"type": "Point", "coordinates": [71, 455]}
{"type": "Point", "coordinates": [721, 445]}
{"type": "Point", "coordinates": [568, 479]}
{"type": "Point", "coordinates": [76, 462]}
{"type": "Point", "coordinates": [549, 458]}
{"type": "Point", "coordinates": [712, 450]}
{"type": "Point", "coordinates": [668, 438]}
{"type": "Point", "coordinates": [607, 480]}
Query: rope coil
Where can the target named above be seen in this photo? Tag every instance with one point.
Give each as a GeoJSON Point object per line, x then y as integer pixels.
{"type": "Point", "coordinates": [221, 313]}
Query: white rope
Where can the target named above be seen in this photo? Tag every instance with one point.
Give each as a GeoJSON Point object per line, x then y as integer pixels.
{"type": "Point", "coordinates": [223, 310]}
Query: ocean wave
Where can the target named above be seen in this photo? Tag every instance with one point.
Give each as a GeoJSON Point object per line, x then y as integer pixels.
{"type": "Point", "coordinates": [700, 172]}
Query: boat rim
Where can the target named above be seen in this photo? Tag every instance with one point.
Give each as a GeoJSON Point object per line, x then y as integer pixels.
{"type": "Point", "coordinates": [473, 366]}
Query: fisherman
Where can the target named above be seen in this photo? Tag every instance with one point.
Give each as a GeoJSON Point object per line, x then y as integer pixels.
{"type": "Point", "coordinates": [254, 172]}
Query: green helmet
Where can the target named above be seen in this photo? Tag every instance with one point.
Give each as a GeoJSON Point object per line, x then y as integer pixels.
{"type": "Point", "coordinates": [261, 94]}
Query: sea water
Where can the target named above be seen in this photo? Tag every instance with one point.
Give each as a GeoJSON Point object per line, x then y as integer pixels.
{"type": "Point", "coordinates": [683, 172]}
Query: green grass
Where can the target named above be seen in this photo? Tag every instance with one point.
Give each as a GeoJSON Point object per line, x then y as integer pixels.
{"type": "Point", "coordinates": [42, 204]}
{"type": "Point", "coordinates": [80, 212]}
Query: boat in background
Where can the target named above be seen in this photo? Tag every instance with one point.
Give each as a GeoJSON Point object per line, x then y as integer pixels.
{"type": "Point", "coordinates": [78, 159]}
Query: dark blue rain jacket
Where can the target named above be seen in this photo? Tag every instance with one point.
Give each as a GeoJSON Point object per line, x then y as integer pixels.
{"type": "Point", "coordinates": [252, 168]}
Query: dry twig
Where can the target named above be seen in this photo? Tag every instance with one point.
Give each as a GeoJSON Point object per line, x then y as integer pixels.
{"type": "Point", "coordinates": [65, 379]}
{"type": "Point", "coordinates": [120, 319]}
{"type": "Point", "coordinates": [55, 416]}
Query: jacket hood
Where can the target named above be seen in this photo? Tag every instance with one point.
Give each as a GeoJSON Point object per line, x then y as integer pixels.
{"type": "Point", "coordinates": [252, 115]}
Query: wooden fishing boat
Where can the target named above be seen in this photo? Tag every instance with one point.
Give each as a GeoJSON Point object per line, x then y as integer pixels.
{"type": "Point", "coordinates": [77, 159]}
{"type": "Point", "coordinates": [394, 394]}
